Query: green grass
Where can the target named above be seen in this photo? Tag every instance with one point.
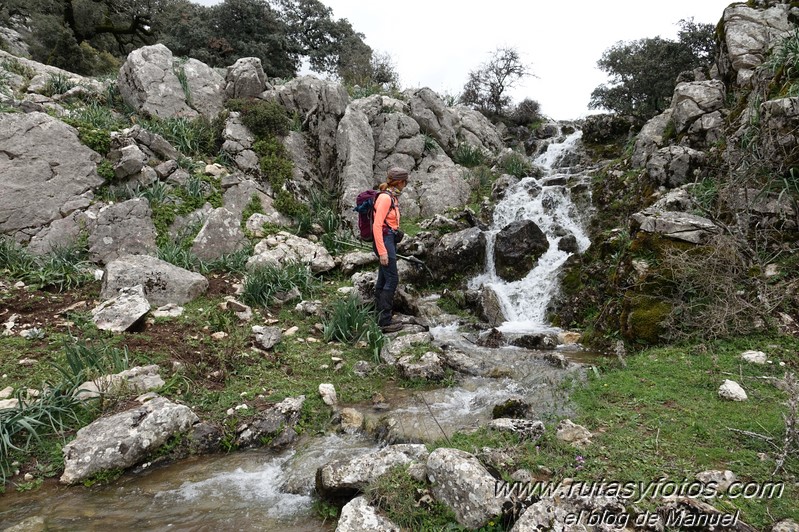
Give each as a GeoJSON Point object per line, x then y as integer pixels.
{"type": "Point", "coordinates": [62, 269]}
{"type": "Point", "coordinates": [266, 282]}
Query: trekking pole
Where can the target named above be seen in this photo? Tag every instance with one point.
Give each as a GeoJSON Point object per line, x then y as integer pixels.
{"type": "Point", "coordinates": [413, 260]}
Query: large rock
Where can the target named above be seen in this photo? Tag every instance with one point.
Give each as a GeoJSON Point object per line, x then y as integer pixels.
{"type": "Point", "coordinates": [695, 99]}
{"type": "Point", "coordinates": [434, 117]}
{"type": "Point", "coordinates": [148, 83]}
{"type": "Point", "coordinates": [206, 88]}
{"type": "Point", "coordinates": [123, 440]}
{"type": "Point", "coordinates": [673, 166]}
{"type": "Point", "coordinates": [358, 516]}
{"type": "Point", "coordinates": [220, 235]}
{"type": "Point", "coordinates": [135, 380]}
{"type": "Point", "coordinates": [518, 247]}
{"type": "Point", "coordinates": [43, 168]}
{"type": "Point", "coordinates": [320, 104]}
{"type": "Point", "coordinates": [284, 248]}
{"type": "Point", "coordinates": [122, 311]}
{"type": "Point", "coordinates": [676, 225]}
{"type": "Point", "coordinates": [123, 229]}
{"type": "Point", "coordinates": [461, 482]}
{"type": "Point", "coordinates": [568, 510]}
{"type": "Point", "coordinates": [341, 479]}
{"type": "Point", "coordinates": [245, 78]}
{"type": "Point", "coordinates": [462, 253]}
{"type": "Point", "coordinates": [163, 282]}
{"type": "Point", "coordinates": [749, 33]}
{"type": "Point", "coordinates": [275, 425]}
{"type": "Point", "coordinates": [651, 138]}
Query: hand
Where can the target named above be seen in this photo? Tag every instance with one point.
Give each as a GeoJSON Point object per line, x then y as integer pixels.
{"type": "Point", "coordinates": [384, 260]}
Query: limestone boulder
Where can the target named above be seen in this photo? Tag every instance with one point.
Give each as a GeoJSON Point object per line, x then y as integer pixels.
{"type": "Point", "coordinates": [163, 282]}
{"type": "Point", "coordinates": [44, 169]}
{"type": "Point", "coordinates": [123, 440]}
{"type": "Point", "coordinates": [148, 83]}
{"type": "Point", "coordinates": [123, 229]}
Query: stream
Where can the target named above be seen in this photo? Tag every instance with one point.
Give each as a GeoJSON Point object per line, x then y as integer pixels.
{"type": "Point", "coordinates": [260, 490]}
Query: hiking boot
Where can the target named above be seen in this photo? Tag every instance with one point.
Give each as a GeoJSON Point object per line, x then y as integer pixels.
{"type": "Point", "coordinates": [392, 327]}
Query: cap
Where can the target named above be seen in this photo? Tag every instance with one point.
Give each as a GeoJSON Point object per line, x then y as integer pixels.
{"type": "Point", "coordinates": [395, 173]}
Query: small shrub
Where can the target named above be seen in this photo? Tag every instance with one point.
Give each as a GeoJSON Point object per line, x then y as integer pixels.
{"type": "Point", "coordinates": [262, 118]}
{"type": "Point", "coordinates": [347, 321]}
{"type": "Point", "coordinates": [197, 136]}
{"type": "Point", "coordinates": [468, 155]}
{"type": "Point", "coordinates": [14, 66]}
{"type": "Point", "coordinates": [526, 113]}
{"type": "Point", "coordinates": [57, 84]}
{"type": "Point", "coordinates": [275, 164]}
{"type": "Point", "coordinates": [62, 269]}
{"type": "Point", "coordinates": [264, 283]}
{"type": "Point", "coordinates": [106, 170]}
{"type": "Point", "coordinates": [516, 164]}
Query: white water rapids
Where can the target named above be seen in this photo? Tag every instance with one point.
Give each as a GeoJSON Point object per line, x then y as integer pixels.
{"type": "Point", "coordinates": [524, 302]}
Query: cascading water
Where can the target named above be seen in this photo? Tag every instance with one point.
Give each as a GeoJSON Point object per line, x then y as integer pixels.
{"type": "Point", "coordinates": [547, 202]}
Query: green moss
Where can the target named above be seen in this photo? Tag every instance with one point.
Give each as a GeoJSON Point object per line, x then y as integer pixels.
{"type": "Point", "coordinates": [642, 319]}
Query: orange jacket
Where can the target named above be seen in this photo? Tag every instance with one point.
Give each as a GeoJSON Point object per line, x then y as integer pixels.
{"type": "Point", "coordinates": [384, 213]}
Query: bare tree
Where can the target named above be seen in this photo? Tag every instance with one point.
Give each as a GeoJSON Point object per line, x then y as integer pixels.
{"type": "Point", "coordinates": [486, 88]}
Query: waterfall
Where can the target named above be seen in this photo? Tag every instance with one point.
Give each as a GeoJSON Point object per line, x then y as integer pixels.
{"type": "Point", "coordinates": [547, 202]}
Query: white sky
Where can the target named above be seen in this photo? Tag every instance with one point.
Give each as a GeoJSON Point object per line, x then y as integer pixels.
{"type": "Point", "coordinates": [435, 43]}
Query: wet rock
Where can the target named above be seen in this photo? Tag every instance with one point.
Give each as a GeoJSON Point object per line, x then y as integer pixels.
{"type": "Point", "coordinates": [205, 438]}
{"type": "Point", "coordinates": [341, 479]}
{"type": "Point", "coordinates": [492, 339]}
{"type": "Point", "coordinates": [351, 420]}
{"type": "Point", "coordinates": [275, 426]}
{"type": "Point", "coordinates": [536, 341]}
{"type": "Point", "coordinates": [517, 249]}
{"type": "Point", "coordinates": [459, 361]}
{"type": "Point", "coordinates": [514, 407]}
{"type": "Point", "coordinates": [122, 440]}
{"type": "Point", "coordinates": [525, 428]}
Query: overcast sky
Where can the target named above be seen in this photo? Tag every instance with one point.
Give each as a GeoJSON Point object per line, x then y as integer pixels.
{"type": "Point", "coordinates": [435, 43]}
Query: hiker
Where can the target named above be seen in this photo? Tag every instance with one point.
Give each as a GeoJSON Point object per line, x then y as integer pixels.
{"type": "Point", "coordinates": [385, 228]}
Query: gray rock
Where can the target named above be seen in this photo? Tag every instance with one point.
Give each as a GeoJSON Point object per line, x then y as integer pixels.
{"type": "Point", "coordinates": [283, 248]}
{"type": "Point", "coordinates": [163, 282]}
{"type": "Point", "coordinates": [557, 512]}
{"type": "Point", "coordinates": [206, 87]}
{"type": "Point", "coordinates": [44, 167]}
{"type": "Point", "coordinates": [574, 434]}
{"type": "Point", "coordinates": [517, 249]}
{"type": "Point", "coordinates": [427, 367]}
{"type": "Point", "coordinates": [220, 235]}
{"type": "Point", "coordinates": [732, 391]}
{"type": "Point", "coordinates": [695, 99]}
{"type": "Point", "coordinates": [394, 348]}
{"type": "Point", "coordinates": [132, 381]}
{"type": "Point", "coordinates": [123, 440]}
{"type": "Point", "coordinates": [462, 252]}
{"type": "Point", "coordinates": [122, 311]}
{"type": "Point", "coordinates": [358, 516]}
{"type": "Point", "coordinates": [245, 78]}
{"type": "Point", "coordinates": [460, 481]}
{"type": "Point", "coordinates": [343, 478]}
{"type": "Point", "coordinates": [673, 166]}
{"type": "Point", "coordinates": [123, 229]}
{"type": "Point", "coordinates": [275, 425]}
{"type": "Point", "coordinates": [677, 225]}
{"type": "Point", "coordinates": [148, 83]}
{"type": "Point", "coordinates": [525, 428]}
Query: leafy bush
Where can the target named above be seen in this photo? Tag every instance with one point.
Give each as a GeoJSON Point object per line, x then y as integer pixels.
{"type": "Point", "coordinates": [262, 118]}
{"type": "Point", "coordinates": [351, 321]}
{"type": "Point", "coordinates": [196, 136]}
{"type": "Point", "coordinates": [62, 269]}
{"type": "Point", "coordinates": [516, 164]}
{"type": "Point", "coordinates": [526, 113]}
{"type": "Point", "coordinates": [264, 283]}
{"type": "Point", "coordinates": [468, 155]}
{"type": "Point", "coordinates": [57, 84]}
